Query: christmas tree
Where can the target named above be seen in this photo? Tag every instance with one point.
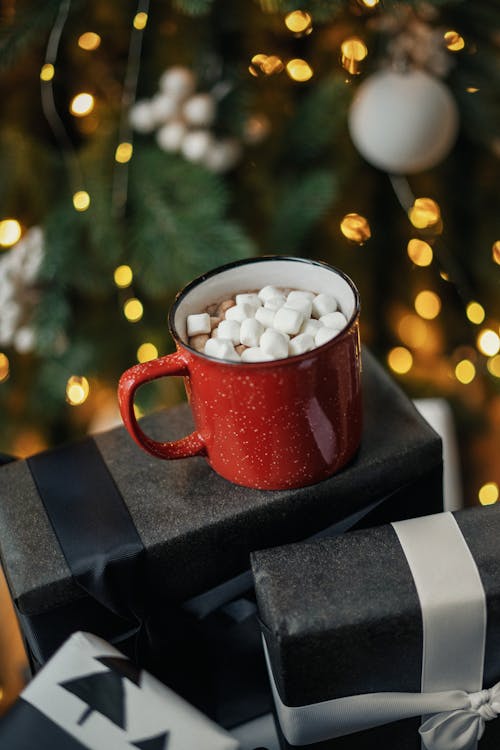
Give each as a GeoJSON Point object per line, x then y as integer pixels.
{"type": "Point", "coordinates": [141, 146]}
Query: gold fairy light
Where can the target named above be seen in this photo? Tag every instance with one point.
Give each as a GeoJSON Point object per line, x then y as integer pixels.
{"type": "Point", "coordinates": [493, 365]}
{"type": "Point", "coordinates": [138, 411]}
{"type": "Point", "coordinates": [353, 51]}
{"type": "Point", "coordinates": [81, 200]}
{"type": "Point", "coordinates": [424, 213]}
{"type": "Point", "coordinates": [488, 494]}
{"type": "Point", "coordinates": [299, 22]}
{"type": "Point", "coordinates": [488, 342]}
{"type": "Point", "coordinates": [465, 372]}
{"type": "Point", "coordinates": [124, 152]}
{"type": "Point", "coordinates": [89, 41]}
{"type": "Point", "coordinates": [356, 228]}
{"type": "Point", "coordinates": [495, 252]}
{"type": "Point", "coordinates": [82, 104]}
{"type": "Point", "coordinates": [400, 360]}
{"type": "Point", "coordinates": [123, 276]}
{"type": "Point", "coordinates": [47, 72]}
{"type": "Point", "coordinates": [472, 90]}
{"type": "Point", "coordinates": [267, 64]}
{"type": "Point", "coordinates": [427, 304]}
{"type": "Point", "coordinates": [420, 252]}
{"type": "Point", "coordinates": [146, 352]}
{"type": "Point", "coordinates": [454, 41]}
{"type": "Point", "coordinates": [369, 3]}
{"type": "Point", "coordinates": [412, 330]}
{"type": "Point", "coordinates": [77, 390]}
{"type": "Point", "coordinates": [140, 20]}
{"type": "Point", "coordinates": [133, 310]}
{"type": "Point", "coordinates": [299, 70]}
{"type": "Point", "coordinates": [4, 367]}
{"type": "Point", "coordinates": [475, 312]}
{"type": "Point", "coordinates": [10, 232]}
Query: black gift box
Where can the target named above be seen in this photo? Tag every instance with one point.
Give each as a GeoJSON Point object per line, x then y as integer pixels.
{"type": "Point", "coordinates": [184, 528]}
{"type": "Point", "coordinates": [341, 617]}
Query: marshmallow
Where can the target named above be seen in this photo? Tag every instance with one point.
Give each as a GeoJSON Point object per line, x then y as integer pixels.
{"type": "Point", "coordinates": [198, 342]}
{"type": "Point", "coordinates": [274, 343]}
{"type": "Point", "coordinates": [310, 326]}
{"type": "Point", "coordinates": [299, 293]}
{"type": "Point", "coordinates": [304, 342]}
{"type": "Point", "coordinates": [198, 324]}
{"type": "Point", "coordinates": [249, 299]}
{"type": "Point", "coordinates": [323, 304]}
{"type": "Point", "coordinates": [274, 303]}
{"type": "Point", "coordinates": [288, 320]}
{"type": "Point", "coordinates": [255, 354]}
{"type": "Point", "coordinates": [240, 312]}
{"type": "Point", "coordinates": [298, 301]}
{"type": "Point", "coordinates": [230, 330]}
{"type": "Point", "coordinates": [325, 334]}
{"type": "Point", "coordinates": [265, 316]}
{"type": "Point", "coordinates": [336, 320]}
{"type": "Point", "coordinates": [268, 292]}
{"type": "Point", "coordinates": [250, 332]}
{"type": "Point", "coordinates": [222, 349]}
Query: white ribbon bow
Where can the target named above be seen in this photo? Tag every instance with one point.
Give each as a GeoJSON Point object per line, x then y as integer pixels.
{"type": "Point", "coordinates": [461, 729]}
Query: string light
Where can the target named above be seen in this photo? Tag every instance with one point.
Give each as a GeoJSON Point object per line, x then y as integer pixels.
{"type": "Point", "coordinates": [400, 360]}
{"type": "Point", "coordinates": [445, 276]}
{"type": "Point", "coordinates": [420, 252]}
{"type": "Point", "coordinates": [454, 41]}
{"type": "Point", "coordinates": [495, 252]}
{"type": "Point", "coordinates": [47, 72]}
{"type": "Point", "coordinates": [353, 51]}
{"type": "Point", "coordinates": [81, 200]}
{"type": "Point", "coordinates": [356, 228]}
{"type": "Point", "coordinates": [299, 70]}
{"type": "Point", "coordinates": [299, 22]}
{"type": "Point", "coordinates": [123, 276]}
{"type": "Point", "coordinates": [133, 310]}
{"type": "Point", "coordinates": [124, 152]}
{"type": "Point", "coordinates": [465, 372]}
{"type": "Point", "coordinates": [369, 3]}
{"type": "Point", "coordinates": [424, 213]}
{"type": "Point", "coordinates": [89, 41]}
{"type": "Point", "coordinates": [471, 90]}
{"type": "Point", "coordinates": [488, 342]}
{"type": "Point", "coordinates": [82, 104]}
{"type": "Point", "coordinates": [10, 232]}
{"type": "Point", "coordinates": [267, 64]}
{"type": "Point", "coordinates": [493, 366]}
{"type": "Point", "coordinates": [4, 367]}
{"type": "Point", "coordinates": [140, 21]}
{"type": "Point", "coordinates": [146, 352]}
{"type": "Point", "coordinates": [475, 312]}
{"type": "Point", "coordinates": [77, 390]}
{"type": "Point", "coordinates": [488, 493]}
{"type": "Point", "coordinates": [412, 330]}
{"type": "Point", "coordinates": [427, 304]}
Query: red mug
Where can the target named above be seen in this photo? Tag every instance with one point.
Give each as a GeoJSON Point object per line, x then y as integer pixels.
{"type": "Point", "coordinates": [269, 425]}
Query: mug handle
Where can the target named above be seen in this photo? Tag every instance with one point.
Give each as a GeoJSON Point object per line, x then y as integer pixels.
{"type": "Point", "coordinates": [171, 364]}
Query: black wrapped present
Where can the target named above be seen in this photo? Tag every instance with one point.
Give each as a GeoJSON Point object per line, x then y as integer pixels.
{"type": "Point", "coordinates": [387, 637]}
{"type": "Point", "coordinates": [100, 536]}
{"type": "Point", "coordinates": [90, 696]}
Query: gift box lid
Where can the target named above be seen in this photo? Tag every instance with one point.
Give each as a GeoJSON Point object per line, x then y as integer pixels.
{"type": "Point", "coordinates": [197, 528]}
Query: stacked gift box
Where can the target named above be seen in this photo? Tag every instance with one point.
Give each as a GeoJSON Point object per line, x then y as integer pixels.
{"type": "Point", "coordinates": [154, 556]}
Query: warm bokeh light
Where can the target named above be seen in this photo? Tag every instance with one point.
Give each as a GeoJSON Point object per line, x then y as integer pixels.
{"type": "Point", "coordinates": [133, 310]}
{"type": "Point", "coordinates": [356, 228]}
{"type": "Point", "coordinates": [493, 366]}
{"type": "Point", "coordinates": [47, 72]}
{"type": "Point", "coordinates": [123, 276]}
{"type": "Point", "coordinates": [488, 493]}
{"type": "Point", "coordinates": [454, 41]}
{"type": "Point", "coordinates": [444, 275]}
{"type": "Point", "coordinates": [267, 64]}
{"type": "Point", "coordinates": [4, 367]}
{"type": "Point", "coordinates": [10, 232]}
{"type": "Point", "coordinates": [298, 21]}
{"type": "Point", "coordinates": [299, 70]}
{"type": "Point", "coordinates": [471, 90]}
{"type": "Point", "coordinates": [495, 252]}
{"type": "Point", "coordinates": [488, 342]}
{"type": "Point", "coordinates": [82, 104]}
{"type": "Point", "coordinates": [412, 330]}
{"type": "Point", "coordinates": [77, 390]}
{"type": "Point", "coordinates": [465, 372]}
{"type": "Point", "coordinates": [427, 304]}
{"type": "Point", "coordinates": [353, 50]}
{"type": "Point", "coordinates": [138, 411]}
{"type": "Point", "coordinates": [89, 41]}
{"type": "Point", "coordinates": [146, 352]}
{"type": "Point", "coordinates": [81, 200]}
{"type": "Point", "coordinates": [475, 312]}
{"type": "Point", "coordinates": [369, 3]}
{"type": "Point", "coordinates": [420, 252]}
{"type": "Point", "coordinates": [124, 152]}
{"type": "Point", "coordinates": [424, 213]}
{"type": "Point", "coordinates": [140, 20]}
{"type": "Point", "coordinates": [400, 360]}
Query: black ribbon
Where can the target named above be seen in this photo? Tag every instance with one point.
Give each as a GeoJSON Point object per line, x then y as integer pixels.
{"type": "Point", "coordinates": [23, 723]}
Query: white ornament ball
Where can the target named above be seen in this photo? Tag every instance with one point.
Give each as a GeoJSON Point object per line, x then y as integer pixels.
{"type": "Point", "coordinates": [403, 122]}
{"type": "Point", "coordinates": [171, 135]}
{"type": "Point", "coordinates": [141, 117]}
{"type": "Point", "coordinates": [196, 145]}
{"type": "Point", "coordinates": [178, 81]}
{"type": "Point", "coordinates": [223, 155]}
{"type": "Point", "coordinates": [199, 110]}
{"type": "Point", "coordinates": [163, 108]}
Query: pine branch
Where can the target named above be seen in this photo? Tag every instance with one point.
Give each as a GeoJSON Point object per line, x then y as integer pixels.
{"type": "Point", "coordinates": [194, 7]}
